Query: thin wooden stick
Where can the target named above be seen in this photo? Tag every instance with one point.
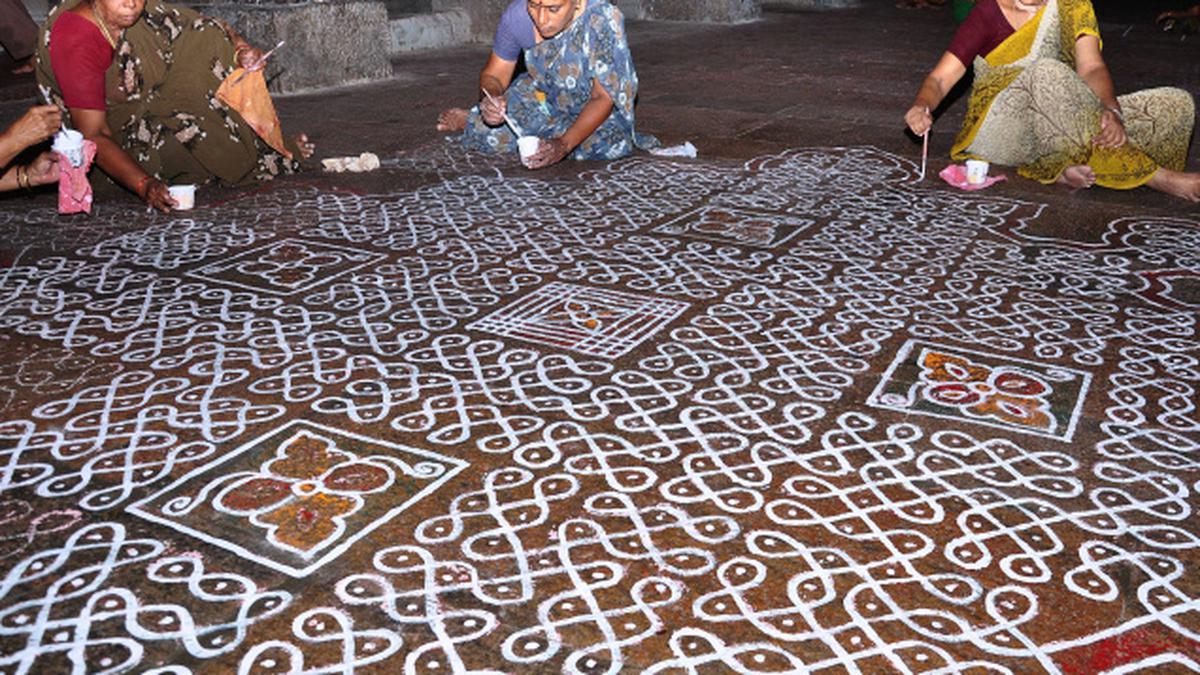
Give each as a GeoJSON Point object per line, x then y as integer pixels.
{"type": "Point", "coordinates": [924, 151]}
{"type": "Point", "coordinates": [258, 64]}
{"type": "Point", "coordinates": [924, 156]}
{"type": "Point", "coordinates": [508, 120]}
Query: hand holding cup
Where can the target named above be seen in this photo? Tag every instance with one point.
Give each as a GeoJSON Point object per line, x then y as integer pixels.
{"type": "Point", "coordinates": [157, 195]}
{"type": "Point", "coordinates": [184, 196]}
{"type": "Point", "coordinates": [549, 151]}
{"type": "Point", "coordinates": [43, 170]}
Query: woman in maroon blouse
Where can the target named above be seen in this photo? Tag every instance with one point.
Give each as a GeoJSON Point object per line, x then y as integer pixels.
{"type": "Point", "coordinates": [139, 78]}
{"type": "Point", "coordinates": [1043, 100]}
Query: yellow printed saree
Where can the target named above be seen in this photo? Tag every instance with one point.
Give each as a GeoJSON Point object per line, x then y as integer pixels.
{"type": "Point", "coordinates": [1030, 109]}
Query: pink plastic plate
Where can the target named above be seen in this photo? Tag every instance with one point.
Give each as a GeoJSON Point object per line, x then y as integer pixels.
{"type": "Point", "coordinates": [956, 175]}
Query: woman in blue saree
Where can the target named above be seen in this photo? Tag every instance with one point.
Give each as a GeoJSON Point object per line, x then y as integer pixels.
{"type": "Point", "coordinates": [577, 95]}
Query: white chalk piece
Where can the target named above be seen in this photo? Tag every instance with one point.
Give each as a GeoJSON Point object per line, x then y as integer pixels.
{"type": "Point", "coordinates": [682, 150]}
{"type": "Point", "coordinates": [367, 161]}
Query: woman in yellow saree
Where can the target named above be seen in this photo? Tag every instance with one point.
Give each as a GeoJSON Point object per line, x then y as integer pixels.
{"type": "Point", "coordinates": [1043, 101]}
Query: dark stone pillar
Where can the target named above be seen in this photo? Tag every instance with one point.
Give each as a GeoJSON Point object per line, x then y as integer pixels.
{"type": "Point", "coordinates": [328, 43]}
{"type": "Point", "coordinates": [711, 11]}
{"type": "Point", "coordinates": [402, 7]}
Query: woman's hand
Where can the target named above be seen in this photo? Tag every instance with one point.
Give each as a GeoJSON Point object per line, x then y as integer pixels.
{"type": "Point", "coordinates": [1193, 11]}
{"type": "Point", "coordinates": [156, 195]}
{"type": "Point", "coordinates": [492, 109]}
{"type": "Point", "coordinates": [918, 119]}
{"type": "Point", "coordinates": [1112, 131]}
{"type": "Point", "coordinates": [36, 125]}
{"type": "Point", "coordinates": [249, 57]}
{"type": "Point", "coordinates": [550, 151]}
{"type": "Point", "coordinates": [43, 170]}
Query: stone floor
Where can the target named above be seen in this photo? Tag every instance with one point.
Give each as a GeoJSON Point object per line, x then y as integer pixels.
{"type": "Point", "coordinates": [776, 409]}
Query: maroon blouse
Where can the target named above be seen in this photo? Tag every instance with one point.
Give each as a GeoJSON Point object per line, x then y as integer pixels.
{"type": "Point", "coordinates": [79, 56]}
{"type": "Point", "coordinates": [984, 29]}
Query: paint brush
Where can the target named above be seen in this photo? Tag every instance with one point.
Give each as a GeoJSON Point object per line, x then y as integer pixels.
{"type": "Point", "coordinates": [259, 63]}
{"type": "Point", "coordinates": [516, 129]}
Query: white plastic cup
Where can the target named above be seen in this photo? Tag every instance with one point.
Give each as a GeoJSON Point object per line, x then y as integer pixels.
{"type": "Point", "coordinates": [977, 171]}
{"type": "Point", "coordinates": [527, 145]}
{"type": "Point", "coordinates": [69, 143]}
{"type": "Point", "coordinates": [184, 196]}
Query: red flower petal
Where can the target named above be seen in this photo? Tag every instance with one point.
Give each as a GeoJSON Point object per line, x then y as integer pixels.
{"type": "Point", "coordinates": [256, 494]}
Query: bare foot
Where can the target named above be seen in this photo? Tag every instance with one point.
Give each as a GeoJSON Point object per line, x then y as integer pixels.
{"type": "Point", "coordinates": [1078, 177]}
{"type": "Point", "coordinates": [306, 148]}
{"type": "Point", "coordinates": [1177, 183]}
{"type": "Point", "coordinates": [452, 119]}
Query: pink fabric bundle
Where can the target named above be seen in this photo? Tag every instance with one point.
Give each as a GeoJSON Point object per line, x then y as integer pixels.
{"type": "Point", "coordinates": [74, 190]}
{"type": "Point", "coordinates": [956, 175]}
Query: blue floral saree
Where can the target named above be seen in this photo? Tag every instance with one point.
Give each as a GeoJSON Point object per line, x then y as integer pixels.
{"type": "Point", "coordinates": [547, 99]}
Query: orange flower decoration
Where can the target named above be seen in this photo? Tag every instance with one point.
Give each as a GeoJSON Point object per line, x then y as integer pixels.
{"type": "Point", "coordinates": [1006, 394]}
{"type": "Point", "coordinates": [303, 495]}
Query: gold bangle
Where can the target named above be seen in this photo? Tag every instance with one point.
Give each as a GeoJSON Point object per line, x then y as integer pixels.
{"type": "Point", "coordinates": [23, 178]}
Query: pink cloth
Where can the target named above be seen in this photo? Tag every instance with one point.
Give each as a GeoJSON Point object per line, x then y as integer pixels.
{"type": "Point", "coordinates": [74, 190]}
{"type": "Point", "coordinates": [956, 175]}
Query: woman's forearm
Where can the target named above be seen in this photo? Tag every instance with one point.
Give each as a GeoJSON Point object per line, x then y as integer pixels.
{"type": "Point", "coordinates": [9, 180]}
{"type": "Point", "coordinates": [8, 151]}
{"type": "Point", "coordinates": [1090, 67]}
{"type": "Point", "coordinates": [491, 84]}
{"type": "Point", "coordinates": [944, 76]}
{"type": "Point", "coordinates": [11, 145]}
{"type": "Point", "coordinates": [931, 93]}
{"type": "Point", "coordinates": [1099, 80]}
{"type": "Point", "coordinates": [234, 36]}
{"type": "Point", "coordinates": [117, 163]}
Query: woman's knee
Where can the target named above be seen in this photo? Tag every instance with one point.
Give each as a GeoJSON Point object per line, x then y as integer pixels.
{"type": "Point", "coordinates": [1050, 71]}
{"type": "Point", "coordinates": [1170, 106]}
{"type": "Point", "coordinates": [1182, 101]}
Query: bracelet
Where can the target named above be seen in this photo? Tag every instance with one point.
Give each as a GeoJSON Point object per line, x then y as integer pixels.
{"type": "Point", "coordinates": [1117, 112]}
{"type": "Point", "coordinates": [142, 185]}
{"type": "Point", "coordinates": [23, 178]}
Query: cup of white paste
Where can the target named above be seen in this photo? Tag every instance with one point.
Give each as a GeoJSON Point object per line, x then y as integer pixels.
{"type": "Point", "coordinates": [69, 143]}
{"type": "Point", "coordinates": [977, 171]}
{"type": "Point", "coordinates": [527, 145]}
{"type": "Point", "coordinates": [184, 196]}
